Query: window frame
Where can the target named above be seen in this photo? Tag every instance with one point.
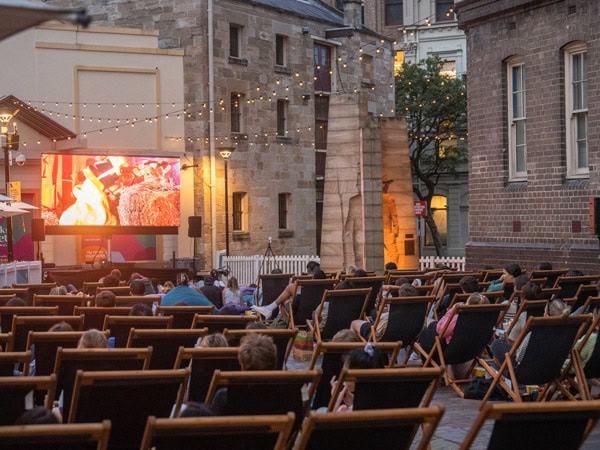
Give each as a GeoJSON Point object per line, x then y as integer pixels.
{"type": "Point", "coordinates": [281, 50]}
{"type": "Point", "coordinates": [390, 4]}
{"type": "Point", "coordinates": [444, 17]}
{"type": "Point", "coordinates": [235, 43]}
{"type": "Point", "coordinates": [516, 143]}
{"type": "Point", "coordinates": [239, 211]}
{"type": "Point", "coordinates": [572, 113]}
{"type": "Point", "coordinates": [282, 117]}
{"type": "Point", "coordinates": [236, 116]}
{"type": "Point", "coordinates": [283, 210]}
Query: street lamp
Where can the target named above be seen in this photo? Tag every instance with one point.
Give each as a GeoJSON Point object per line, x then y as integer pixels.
{"type": "Point", "coordinates": [10, 141]}
{"type": "Point", "coordinates": [226, 153]}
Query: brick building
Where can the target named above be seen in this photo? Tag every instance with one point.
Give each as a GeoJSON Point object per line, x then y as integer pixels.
{"type": "Point", "coordinates": [532, 91]}
{"type": "Point", "coordinates": [274, 66]}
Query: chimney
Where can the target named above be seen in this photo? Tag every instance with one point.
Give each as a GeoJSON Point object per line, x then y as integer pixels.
{"type": "Point", "coordinates": [353, 13]}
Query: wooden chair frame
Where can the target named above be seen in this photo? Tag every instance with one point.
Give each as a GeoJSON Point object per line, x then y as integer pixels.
{"type": "Point", "coordinates": [550, 275]}
{"type": "Point", "coordinates": [165, 343]}
{"type": "Point", "coordinates": [117, 290]}
{"type": "Point", "coordinates": [200, 428]}
{"type": "Point", "coordinates": [529, 416]}
{"type": "Point", "coordinates": [569, 285]}
{"type": "Point", "coordinates": [307, 297]}
{"type": "Point", "coordinates": [367, 423]}
{"type": "Point", "coordinates": [40, 436]}
{"type": "Point", "coordinates": [466, 344]}
{"type": "Point", "coordinates": [217, 323]}
{"type": "Point", "coordinates": [345, 305]}
{"type": "Point", "coordinates": [373, 282]}
{"type": "Point", "coordinates": [283, 339]}
{"type": "Point", "coordinates": [120, 326]}
{"type": "Point", "coordinates": [34, 288]}
{"type": "Point", "coordinates": [9, 359]}
{"type": "Point", "coordinates": [94, 315]}
{"type": "Point", "coordinates": [556, 349]}
{"type": "Point", "coordinates": [183, 316]}
{"type": "Point", "coordinates": [8, 312]}
{"type": "Point", "coordinates": [130, 300]}
{"type": "Point", "coordinates": [11, 387]}
{"type": "Point", "coordinates": [22, 325]}
{"type": "Point", "coordinates": [535, 306]}
{"type": "Point", "coordinates": [66, 303]}
{"type": "Point", "coordinates": [395, 379]}
{"type": "Point", "coordinates": [271, 285]}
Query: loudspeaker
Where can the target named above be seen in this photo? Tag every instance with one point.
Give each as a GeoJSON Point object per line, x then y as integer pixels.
{"type": "Point", "coordinates": [38, 230]}
{"type": "Point", "coordinates": [195, 226]}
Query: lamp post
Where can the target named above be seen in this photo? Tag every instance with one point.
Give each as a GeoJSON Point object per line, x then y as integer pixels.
{"type": "Point", "coordinates": [226, 153]}
{"type": "Point", "coordinates": [10, 141]}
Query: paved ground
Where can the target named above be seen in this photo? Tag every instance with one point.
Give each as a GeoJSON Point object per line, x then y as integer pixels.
{"type": "Point", "coordinates": [458, 418]}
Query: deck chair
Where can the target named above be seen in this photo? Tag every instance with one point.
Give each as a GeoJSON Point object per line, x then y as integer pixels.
{"type": "Point", "coordinates": [119, 326]}
{"type": "Point", "coordinates": [14, 392]}
{"type": "Point", "coordinates": [204, 362]}
{"type": "Point", "coordinates": [231, 433]}
{"type": "Point", "coordinates": [392, 275]}
{"type": "Point", "coordinates": [70, 360]}
{"type": "Point", "coordinates": [492, 274]}
{"type": "Point", "coordinates": [550, 275]}
{"type": "Point", "coordinates": [550, 341]}
{"type": "Point", "coordinates": [590, 303]}
{"type": "Point", "coordinates": [66, 303]}
{"type": "Point", "coordinates": [266, 392]}
{"type": "Point", "coordinates": [117, 290]}
{"type": "Point", "coordinates": [271, 285]}
{"type": "Point", "coordinates": [22, 293]}
{"type": "Point", "coordinates": [217, 323]}
{"type": "Point", "coordinates": [89, 287]}
{"type": "Point", "coordinates": [283, 339]}
{"type": "Point", "coordinates": [33, 289]}
{"type": "Point", "coordinates": [461, 297]}
{"type": "Point", "coordinates": [525, 426]}
{"type": "Point", "coordinates": [527, 308]}
{"type": "Point", "coordinates": [11, 360]}
{"type": "Point", "coordinates": [22, 325]}
{"type": "Point", "coordinates": [569, 285]}
{"type": "Point", "coordinates": [7, 313]}
{"type": "Point", "coordinates": [165, 344]}
{"type": "Point", "coordinates": [406, 316]}
{"type": "Point", "coordinates": [130, 300]}
{"type": "Point", "coordinates": [583, 292]}
{"type": "Point", "coordinates": [127, 399]}
{"type": "Point", "coordinates": [330, 355]}
{"type": "Point", "coordinates": [183, 316]}
{"type": "Point", "coordinates": [56, 436]}
{"type": "Point", "coordinates": [389, 388]}
{"type": "Point", "coordinates": [357, 430]}
{"type": "Point", "coordinates": [6, 340]}
{"type": "Point", "coordinates": [375, 283]}
{"type": "Point", "coordinates": [344, 306]}
{"type": "Point", "coordinates": [4, 298]}
{"type": "Point", "coordinates": [472, 333]}
{"type": "Point", "coordinates": [94, 316]}
{"type": "Point", "coordinates": [307, 298]}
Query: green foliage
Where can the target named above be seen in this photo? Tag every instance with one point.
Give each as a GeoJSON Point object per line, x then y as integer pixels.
{"type": "Point", "coordinates": [435, 109]}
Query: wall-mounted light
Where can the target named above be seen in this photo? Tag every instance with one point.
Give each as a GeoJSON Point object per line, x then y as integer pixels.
{"type": "Point", "coordinates": [188, 166]}
{"type": "Point", "coordinates": [305, 30]}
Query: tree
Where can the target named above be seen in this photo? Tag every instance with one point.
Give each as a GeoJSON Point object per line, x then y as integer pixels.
{"type": "Point", "coordinates": [435, 108]}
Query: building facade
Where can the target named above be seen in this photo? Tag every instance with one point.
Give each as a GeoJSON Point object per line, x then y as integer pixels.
{"type": "Point", "coordinates": [533, 167]}
{"type": "Point", "coordinates": [257, 79]}
{"type": "Point", "coordinates": [419, 30]}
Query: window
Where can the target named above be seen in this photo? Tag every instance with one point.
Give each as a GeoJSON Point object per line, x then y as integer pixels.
{"type": "Point", "coordinates": [284, 207]}
{"type": "Point", "coordinates": [280, 50]}
{"type": "Point", "coordinates": [322, 59]}
{"type": "Point", "coordinates": [235, 37]}
{"type": "Point", "coordinates": [444, 10]}
{"type": "Point", "coordinates": [439, 211]}
{"type": "Point", "coordinates": [517, 157]}
{"type": "Point", "coordinates": [321, 123]}
{"type": "Point", "coordinates": [236, 112]}
{"type": "Point", "coordinates": [394, 14]}
{"type": "Point", "coordinates": [398, 61]}
{"type": "Point", "coordinates": [367, 66]}
{"type": "Point", "coordinates": [576, 110]}
{"type": "Point", "coordinates": [240, 211]}
{"type": "Point", "coordinates": [282, 122]}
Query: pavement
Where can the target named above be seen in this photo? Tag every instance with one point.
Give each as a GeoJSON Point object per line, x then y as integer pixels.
{"type": "Point", "coordinates": [458, 418]}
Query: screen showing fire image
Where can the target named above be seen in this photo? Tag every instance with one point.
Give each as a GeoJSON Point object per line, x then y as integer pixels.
{"type": "Point", "coordinates": [131, 191]}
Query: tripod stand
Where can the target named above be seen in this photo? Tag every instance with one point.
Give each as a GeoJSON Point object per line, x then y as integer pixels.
{"type": "Point", "coordinates": [268, 262]}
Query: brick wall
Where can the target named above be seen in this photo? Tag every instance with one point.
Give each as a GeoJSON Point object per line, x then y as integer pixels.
{"type": "Point", "coordinates": [545, 218]}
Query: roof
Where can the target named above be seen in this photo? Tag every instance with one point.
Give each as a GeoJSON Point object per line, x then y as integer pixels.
{"type": "Point", "coordinates": [312, 9]}
{"type": "Point", "coordinates": [36, 120]}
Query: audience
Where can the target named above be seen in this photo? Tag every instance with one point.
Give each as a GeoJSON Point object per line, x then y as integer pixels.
{"type": "Point", "coordinates": [184, 293]}
{"type": "Point", "coordinates": [93, 339]}
{"type": "Point", "coordinates": [106, 299]}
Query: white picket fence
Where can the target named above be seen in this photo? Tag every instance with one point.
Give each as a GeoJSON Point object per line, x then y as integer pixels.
{"type": "Point", "coordinates": [247, 268]}
{"type": "Point", "coordinates": [434, 262]}
{"type": "Point", "coordinates": [20, 272]}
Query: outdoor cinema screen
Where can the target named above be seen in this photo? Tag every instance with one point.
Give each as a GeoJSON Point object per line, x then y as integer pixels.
{"type": "Point", "coordinates": [84, 194]}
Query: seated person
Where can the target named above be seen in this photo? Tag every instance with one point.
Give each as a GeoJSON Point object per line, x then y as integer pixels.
{"type": "Point", "coordinates": [212, 292]}
{"type": "Point", "coordinates": [184, 293]}
{"type": "Point", "coordinates": [468, 285]}
{"type": "Point", "coordinates": [106, 299]}
{"type": "Point", "coordinates": [509, 273]}
{"type": "Point", "coordinates": [530, 291]}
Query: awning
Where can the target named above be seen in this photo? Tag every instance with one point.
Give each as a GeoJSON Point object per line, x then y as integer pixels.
{"type": "Point", "coordinates": [7, 210]}
{"type": "Point", "coordinates": [18, 15]}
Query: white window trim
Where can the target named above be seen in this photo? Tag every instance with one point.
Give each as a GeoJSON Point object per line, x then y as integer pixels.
{"type": "Point", "coordinates": [573, 171]}
{"type": "Point", "coordinates": [513, 175]}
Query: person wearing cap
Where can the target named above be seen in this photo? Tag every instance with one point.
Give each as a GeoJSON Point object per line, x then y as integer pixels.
{"type": "Point", "coordinates": [390, 222]}
{"type": "Point", "coordinates": [212, 292]}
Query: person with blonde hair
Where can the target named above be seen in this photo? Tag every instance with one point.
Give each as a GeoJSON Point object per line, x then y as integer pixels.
{"type": "Point", "coordinates": [93, 339]}
{"type": "Point", "coordinates": [232, 293]}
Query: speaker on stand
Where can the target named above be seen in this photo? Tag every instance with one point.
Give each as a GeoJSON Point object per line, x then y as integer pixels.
{"type": "Point", "coordinates": [38, 233]}
{"type": "Point", "coordinates": [194, 231]}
